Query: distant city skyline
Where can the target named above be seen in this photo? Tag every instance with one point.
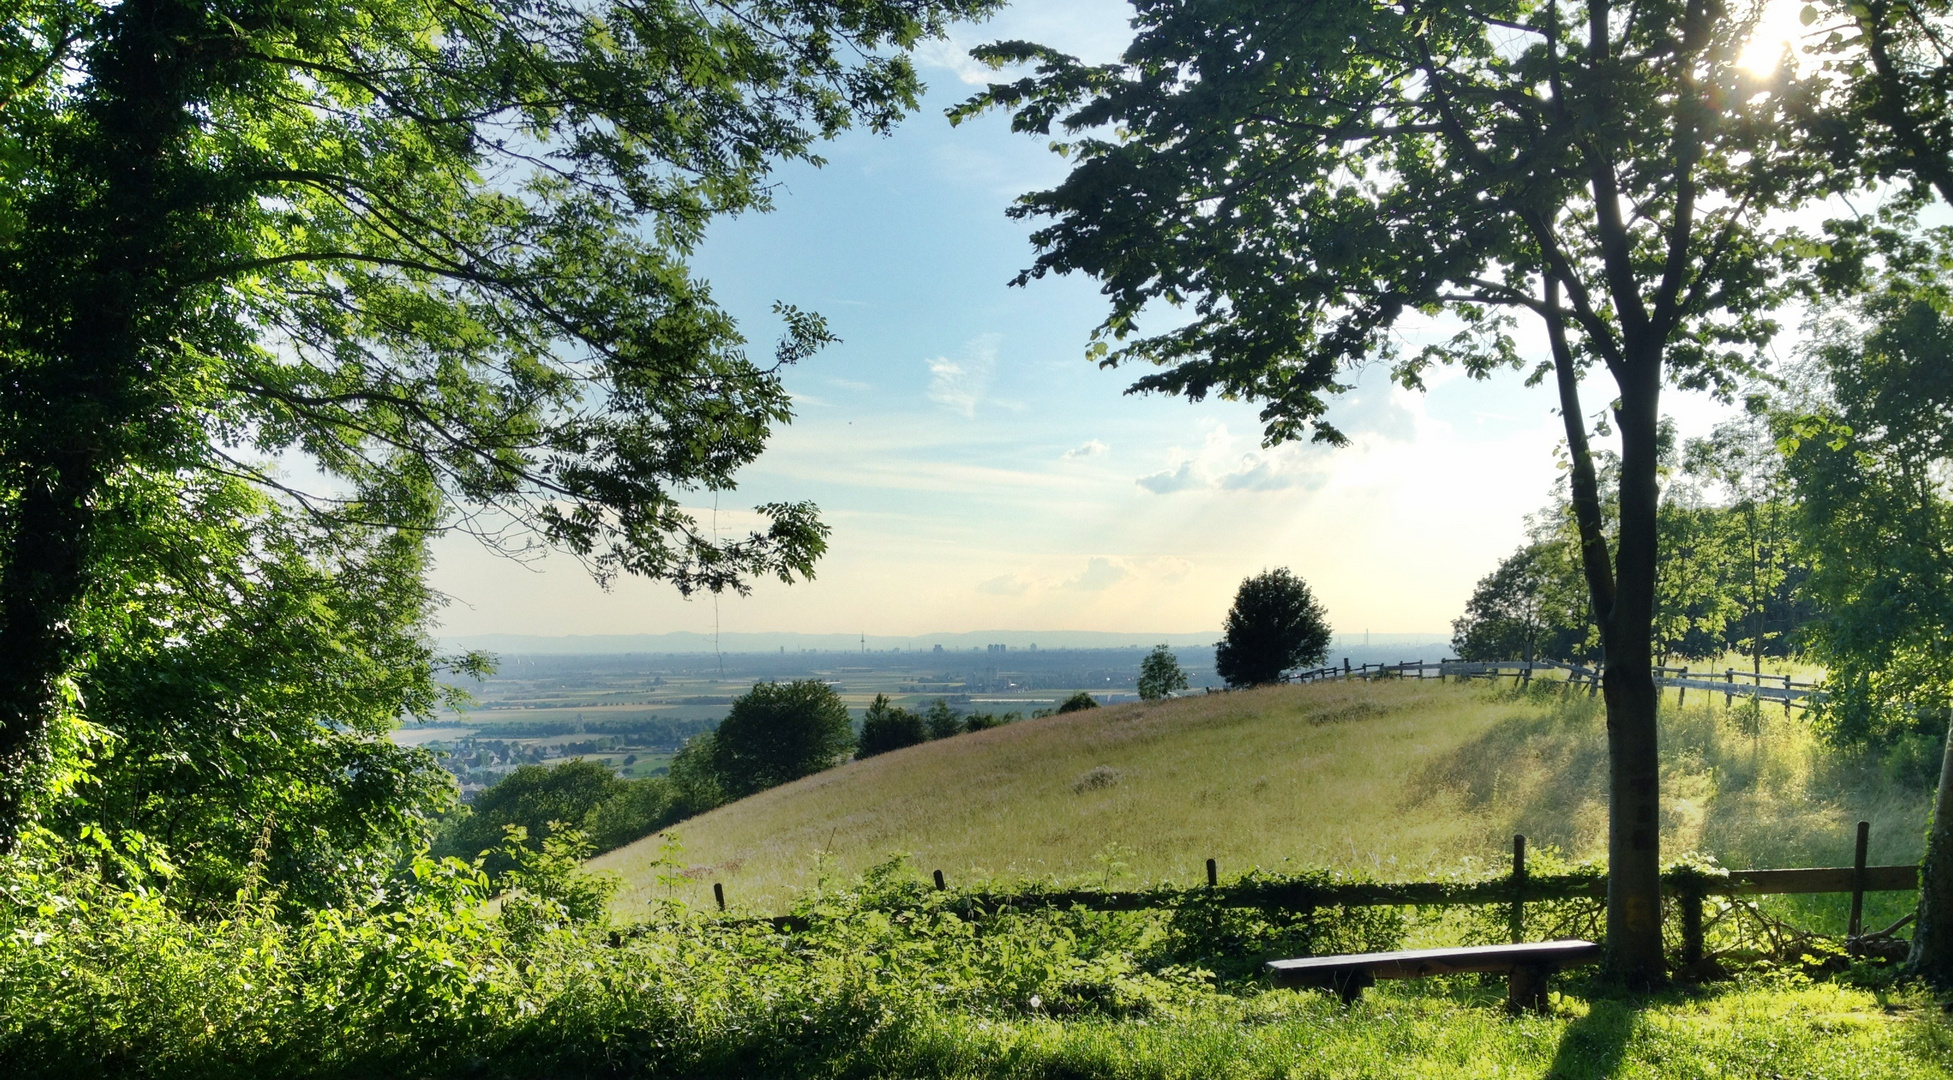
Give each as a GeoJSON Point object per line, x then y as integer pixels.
{"type": "Point", "coordinates": [978, 471]}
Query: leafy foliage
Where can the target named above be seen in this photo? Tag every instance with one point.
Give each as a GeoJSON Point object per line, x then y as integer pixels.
{"type": "Point", "coordinates": [434, 255]}
{"type": "Point", "coordinates": [1275, 625]}
{"type": "Point", "coordinates": [776, 733]}
{"type": "Point", "coordinates": [1160, 674]}
{"type": "Point", "coordinates": [533, 799]}
{"type": "Point", "coordinates": [1868, 462]}
{"type": "Point", "coordinates": [886, 727]}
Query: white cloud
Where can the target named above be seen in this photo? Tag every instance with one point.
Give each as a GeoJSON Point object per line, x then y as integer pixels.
{"type": "Point", "coordinates": [1100, 573]}
{"type": "Point", "coordinates": [962, 383]}
{"type": "Point", "coordinates": [1268, 472]}
{"type": "Point", "coordinates": [1092, 448]}
{"type": "Point", "coordinates": [1172, 480]}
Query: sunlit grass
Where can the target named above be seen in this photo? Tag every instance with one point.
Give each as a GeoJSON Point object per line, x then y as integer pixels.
{"type": "Point", "coordinates": [1398, 779]}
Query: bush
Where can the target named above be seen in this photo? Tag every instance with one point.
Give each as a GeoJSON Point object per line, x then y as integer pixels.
{"type": "Point", "coordinates": [886, 727]}
{"type": "Point", "coordinates": [1275, 625]}
{"type": "Point", "coordinates": [777, 733]}
{"type": "Point", "coordinates": [1079, 702]}
{"type": "Point", "coordinates": [1160, 674]}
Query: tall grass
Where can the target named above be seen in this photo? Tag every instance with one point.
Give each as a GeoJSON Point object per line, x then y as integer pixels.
{"type": "Point", "coordinates": [1398, 779]}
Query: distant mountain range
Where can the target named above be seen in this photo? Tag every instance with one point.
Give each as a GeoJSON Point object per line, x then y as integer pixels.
{"type": "Point", "coordinates": [683, 641]}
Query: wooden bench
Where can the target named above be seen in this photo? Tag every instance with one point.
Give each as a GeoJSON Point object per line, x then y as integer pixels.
{"type": "Point", "coordinates": [1528, 966]}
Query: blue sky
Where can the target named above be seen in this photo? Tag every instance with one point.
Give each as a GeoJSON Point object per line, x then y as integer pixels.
{"type": "Point", "coordinates": [980, 473]}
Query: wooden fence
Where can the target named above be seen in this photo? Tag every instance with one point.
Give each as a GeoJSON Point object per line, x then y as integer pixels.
{"type": "Point", "coordinates": [1687, 886]}
{"type": "Point", "coordinates": [1758, 685]}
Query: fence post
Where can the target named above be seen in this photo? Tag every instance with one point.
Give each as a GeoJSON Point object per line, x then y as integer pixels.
{"type": "Point", "coordinates": [1692, 891]}
{"type": "Point", "coordinates": [1518, 918]}
{"type": "Point", "coordinates": [719, 894]}
{"type": "Point", "coordinates": [1681, 692]}
{"type": "Point", "coordinates": [1856, 926]}
{"type": "Point", "coordinates": [1213, 874]}
{"type": "Point", "coordinates": [1729, 695]}
{"type": "Point", "coordinates": [940, 884]}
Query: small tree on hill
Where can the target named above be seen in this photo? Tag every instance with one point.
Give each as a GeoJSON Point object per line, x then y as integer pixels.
{"type": "Point", "coordinates": [780, 732]}
{"type": "Point", "coordinates": [942, 720]}
{"type": "Point", "coordinates": [1275, 624]}
{"type": "Point", "coordinates": [1079, 702]}
{"type": "Point", "coordinates": [534, 798]}
{"type": "Point", "coordinates": [886, 727]}
{"type": "Point", "coordinates": [1160, 674]}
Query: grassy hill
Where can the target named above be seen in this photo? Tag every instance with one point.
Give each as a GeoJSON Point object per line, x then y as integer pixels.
{"type": "Point", "coordinates": [1404, 779]}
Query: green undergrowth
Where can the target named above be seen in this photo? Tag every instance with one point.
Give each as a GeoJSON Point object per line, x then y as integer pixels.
{"type": "Point", "coordinates": [888, 978]}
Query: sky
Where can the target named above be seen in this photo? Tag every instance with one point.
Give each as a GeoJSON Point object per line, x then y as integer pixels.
{"type": "Point", "coordinates": [979, 473]}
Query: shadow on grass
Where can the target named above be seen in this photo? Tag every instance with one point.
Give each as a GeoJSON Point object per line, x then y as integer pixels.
{"type": "Point", "coordinates": [1595, 1045]}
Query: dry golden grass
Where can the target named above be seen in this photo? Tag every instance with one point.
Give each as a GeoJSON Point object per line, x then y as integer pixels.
{"type": "Point", "coordinates": [1399, 779]}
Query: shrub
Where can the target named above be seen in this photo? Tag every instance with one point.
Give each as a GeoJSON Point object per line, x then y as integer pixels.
{"type": "Point", "coordinates": [1160, 674]}
{"type": "Point", "coordinates": [1275, 625]}
{"type": "Point", "coordinates": [1079, 702]}
{"type": "Point", "coordinates": [777, 733]}
{"type": "Point", "coordinates": [886, 727]}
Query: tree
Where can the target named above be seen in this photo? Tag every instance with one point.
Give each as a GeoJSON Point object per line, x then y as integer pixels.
{"type": "Point", "coordinates": [433, 254]}
{"type": "Point", "coordinates": [942, 720]}
{"type": "Point", "coordinates": [1867, 461]}
{"type": "Point", "coordinates": [1761, 554]}
{"type": "Point", "coordinates": [1296, 178]}
{"type": "Point", "coordinates": [777, 733]}
{"type": "Point", "coordinates": [886, 727]}
{"type": "Point", "coordinates": [1519, 610]}
{"type": "Point", "coordinates": [1275, 625]}
{"type": "Point", "coordinates": [1160, 674]}
{"type": "Point", "coordinates": [535, 797]}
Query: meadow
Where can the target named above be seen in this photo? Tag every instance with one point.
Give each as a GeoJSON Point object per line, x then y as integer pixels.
{"type": "Point", "coordinates": [1393, 780]}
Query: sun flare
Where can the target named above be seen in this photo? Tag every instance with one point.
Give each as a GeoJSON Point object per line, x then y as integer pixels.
{"type": "Point", "coordinates": [1779, 27]}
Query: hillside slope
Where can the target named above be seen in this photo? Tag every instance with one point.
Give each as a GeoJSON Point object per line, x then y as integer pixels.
{"type": "Point", "coordinates": [1391, 779]}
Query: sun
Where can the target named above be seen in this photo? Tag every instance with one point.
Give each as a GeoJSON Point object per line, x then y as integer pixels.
{"type": "Point", "coordinates": [1780, 25]}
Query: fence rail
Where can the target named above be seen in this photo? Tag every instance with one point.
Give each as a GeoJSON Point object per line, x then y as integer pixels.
{"type": "Point", "coordinates": [1680, 679]}
{"type": "Point", "coordinates": [1687, 886]}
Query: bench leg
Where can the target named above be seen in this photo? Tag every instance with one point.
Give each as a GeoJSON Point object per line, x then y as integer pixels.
{"type": "Point", "coordinates": [1350, 985]}
{"type": "Point", "coordinates": [1526, 990]}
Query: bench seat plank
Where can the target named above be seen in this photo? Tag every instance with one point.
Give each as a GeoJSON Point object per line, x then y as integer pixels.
{"type": "Point", "coordinates": [1417, 963]}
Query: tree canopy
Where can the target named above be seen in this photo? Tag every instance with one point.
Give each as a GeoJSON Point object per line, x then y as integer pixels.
{"type": "Point", "coordinates": [777, 733]}
{"type": "Point", "coordinates": [399, 267]}
{"type": "Point", "coordinates": [1275, 625]}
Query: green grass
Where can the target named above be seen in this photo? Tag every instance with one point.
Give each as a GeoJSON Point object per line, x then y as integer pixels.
{"type": "Point", "coordinates": [1755, 1029]}
{"type": "Point", "coordinates": [1394, 780]}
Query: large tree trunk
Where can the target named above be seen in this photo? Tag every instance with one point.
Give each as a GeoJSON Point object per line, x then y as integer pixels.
{"type": "Point", "coordinates": [41, 583]}
{"type": "Point", "coordinates": [1622, 591]}
{"type": "Point", "coordinates": [1634, 943]}
{"type": "Point", "coordinates": [96, 284]}
{"type": "Point", "coordinates": [1634, 775]}
{"type": "Point", "coordinates": [1932, 934]}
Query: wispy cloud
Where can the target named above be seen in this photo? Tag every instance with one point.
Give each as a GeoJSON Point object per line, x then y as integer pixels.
{"type": "Point", "coordinates": [1006, 585]}
{"type": "Point", "coordinates": [1092, 448]}
{"type": "Point", "coordinates": [961, 383]}
{"type": "Point", "coordinates": [1219, 467]}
